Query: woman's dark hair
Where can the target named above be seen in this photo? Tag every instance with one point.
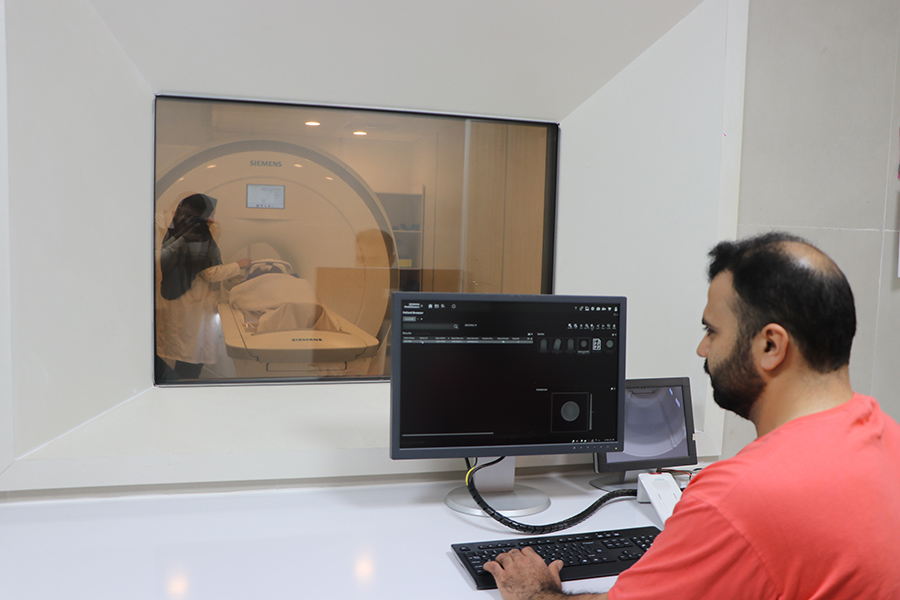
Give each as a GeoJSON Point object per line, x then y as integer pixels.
{"type": "Point", "coordinates": [811, 299]}
{"type": "Point", "coordinates": [202, 204]}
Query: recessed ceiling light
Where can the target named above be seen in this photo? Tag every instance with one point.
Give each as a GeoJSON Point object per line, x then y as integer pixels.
{"type": "Point", "coordinates": [360, 133]}
{"type": "Point", "coordinates": [210, 166]}
{"type": "Point", "coordinates": [313, 123]}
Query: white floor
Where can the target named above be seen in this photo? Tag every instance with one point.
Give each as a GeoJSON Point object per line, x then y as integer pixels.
{"type": "Point", "coordinates": [376, 541]}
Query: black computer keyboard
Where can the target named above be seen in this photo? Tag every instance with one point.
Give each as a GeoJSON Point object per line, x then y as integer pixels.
{"type": "Point", "coordinates": [584, 555]}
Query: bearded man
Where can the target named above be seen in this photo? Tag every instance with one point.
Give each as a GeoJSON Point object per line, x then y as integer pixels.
{"type": "Point", "coordinates": [808, 510]}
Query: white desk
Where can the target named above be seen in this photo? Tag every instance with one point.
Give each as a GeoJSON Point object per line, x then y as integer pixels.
{"type": "Point", "coordinates": [335, 542]}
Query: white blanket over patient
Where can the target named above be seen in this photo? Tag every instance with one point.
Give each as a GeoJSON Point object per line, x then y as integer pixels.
{"type": "Point", "coordinates": [279, 302]}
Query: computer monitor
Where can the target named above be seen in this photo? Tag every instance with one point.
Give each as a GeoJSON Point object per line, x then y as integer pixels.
{"type": "Point", "coordinates": [487, 375]}
{"type": "Point", "coordinates": [659, 430]}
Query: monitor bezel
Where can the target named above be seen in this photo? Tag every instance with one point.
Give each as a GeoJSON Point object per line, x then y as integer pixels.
{"type": "Point", "coordinates": [601, 465]}
{"type": "Point", "coordinates": [518, 449]}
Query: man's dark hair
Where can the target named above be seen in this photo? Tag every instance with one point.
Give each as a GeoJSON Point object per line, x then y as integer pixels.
{"type": "Point", "coordinates": [776, 283]}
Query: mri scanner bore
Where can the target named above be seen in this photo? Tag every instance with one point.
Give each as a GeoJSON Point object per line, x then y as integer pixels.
{"type": "Point", "coordinates": [276, 259]}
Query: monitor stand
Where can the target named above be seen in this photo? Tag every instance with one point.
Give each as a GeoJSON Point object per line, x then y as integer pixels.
{"type": "Point", "coordinates": [496, 485]}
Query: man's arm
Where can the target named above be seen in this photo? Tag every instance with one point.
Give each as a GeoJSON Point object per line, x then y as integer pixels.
{"type": "Point", "coordinates": [523, 575]}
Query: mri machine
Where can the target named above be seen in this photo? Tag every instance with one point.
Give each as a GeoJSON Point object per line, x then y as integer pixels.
{"type": "Point", "coordinates": [308, 217]}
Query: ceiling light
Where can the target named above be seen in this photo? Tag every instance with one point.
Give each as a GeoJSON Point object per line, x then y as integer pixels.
{"type": "Point", "coordinates": [313, 123]}
{"type": "Point", "coordinates": [360, 133]}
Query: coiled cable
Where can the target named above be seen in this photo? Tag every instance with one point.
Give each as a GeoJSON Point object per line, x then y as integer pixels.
{"type": "Point", "coordinates": [538, 529]}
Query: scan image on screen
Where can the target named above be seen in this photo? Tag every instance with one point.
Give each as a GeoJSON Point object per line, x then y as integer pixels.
{"type": "Point", "coordinates": [659, 428]}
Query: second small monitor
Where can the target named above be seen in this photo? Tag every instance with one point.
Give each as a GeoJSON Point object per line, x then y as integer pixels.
{"type": "Point", "coordinates": [659, 428]}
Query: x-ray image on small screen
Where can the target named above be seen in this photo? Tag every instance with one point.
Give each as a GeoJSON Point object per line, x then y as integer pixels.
{"type": "Point", "coordinates": [265, 196]}
{"type": "Point", "coordinates": [659, 428]}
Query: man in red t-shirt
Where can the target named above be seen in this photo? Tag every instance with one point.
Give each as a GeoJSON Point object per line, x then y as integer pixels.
{"type": "Point", "coordinates": [811, 508]}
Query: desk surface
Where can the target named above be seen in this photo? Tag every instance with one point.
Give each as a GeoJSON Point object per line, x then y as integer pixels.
{"type": "Point", "coordinates": [326, 542]}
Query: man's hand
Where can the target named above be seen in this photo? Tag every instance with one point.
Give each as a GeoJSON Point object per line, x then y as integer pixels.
{"type": "Point", "coordinates": [523, 575]}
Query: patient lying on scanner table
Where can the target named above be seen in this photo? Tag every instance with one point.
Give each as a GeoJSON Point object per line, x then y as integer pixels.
{"type": "Point", "coordinates": [273, 299]}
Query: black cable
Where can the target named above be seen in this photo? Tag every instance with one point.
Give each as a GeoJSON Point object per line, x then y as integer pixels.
{"type": "Point", "coordinates": [539, 529]}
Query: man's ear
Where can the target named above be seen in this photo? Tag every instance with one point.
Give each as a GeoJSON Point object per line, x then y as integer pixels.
{"type": "Point", "coordinates": [772, 344]}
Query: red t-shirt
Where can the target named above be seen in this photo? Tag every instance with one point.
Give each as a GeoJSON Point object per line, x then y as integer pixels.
{"type": "Point", "coordinates": [810, 510]}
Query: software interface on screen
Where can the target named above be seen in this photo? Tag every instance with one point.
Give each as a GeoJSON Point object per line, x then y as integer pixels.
{"type": "Point", "coordinates": [659, 428]}
{"type": "Point", "coordinates": [265, 196]}
{"type": "Point", "coordinates": [479, 375]}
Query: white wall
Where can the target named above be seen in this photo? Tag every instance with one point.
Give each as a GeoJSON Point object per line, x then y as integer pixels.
{"type": "Point", "coordinates": [821, 155]}
{"type": "Point", "coordinates": [80, 135]}
{"type": "Point", "coordinates": [535, 59]}
{"type": "Point", "coordinates": [82, 408]}
{"type": "Point", "coordinates": [643, 159]}
{"type": "Point", "coordinates": [7, 450]}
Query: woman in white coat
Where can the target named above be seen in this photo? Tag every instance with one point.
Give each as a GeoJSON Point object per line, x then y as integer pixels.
{"type": "Point", "coordinates": [190, 269]}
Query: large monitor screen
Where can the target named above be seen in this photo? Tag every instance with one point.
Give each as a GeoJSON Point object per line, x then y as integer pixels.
{"type": "Point", "coordinates": [659, 427]}
{"type": "Point", "coordinates": [477, 375]}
